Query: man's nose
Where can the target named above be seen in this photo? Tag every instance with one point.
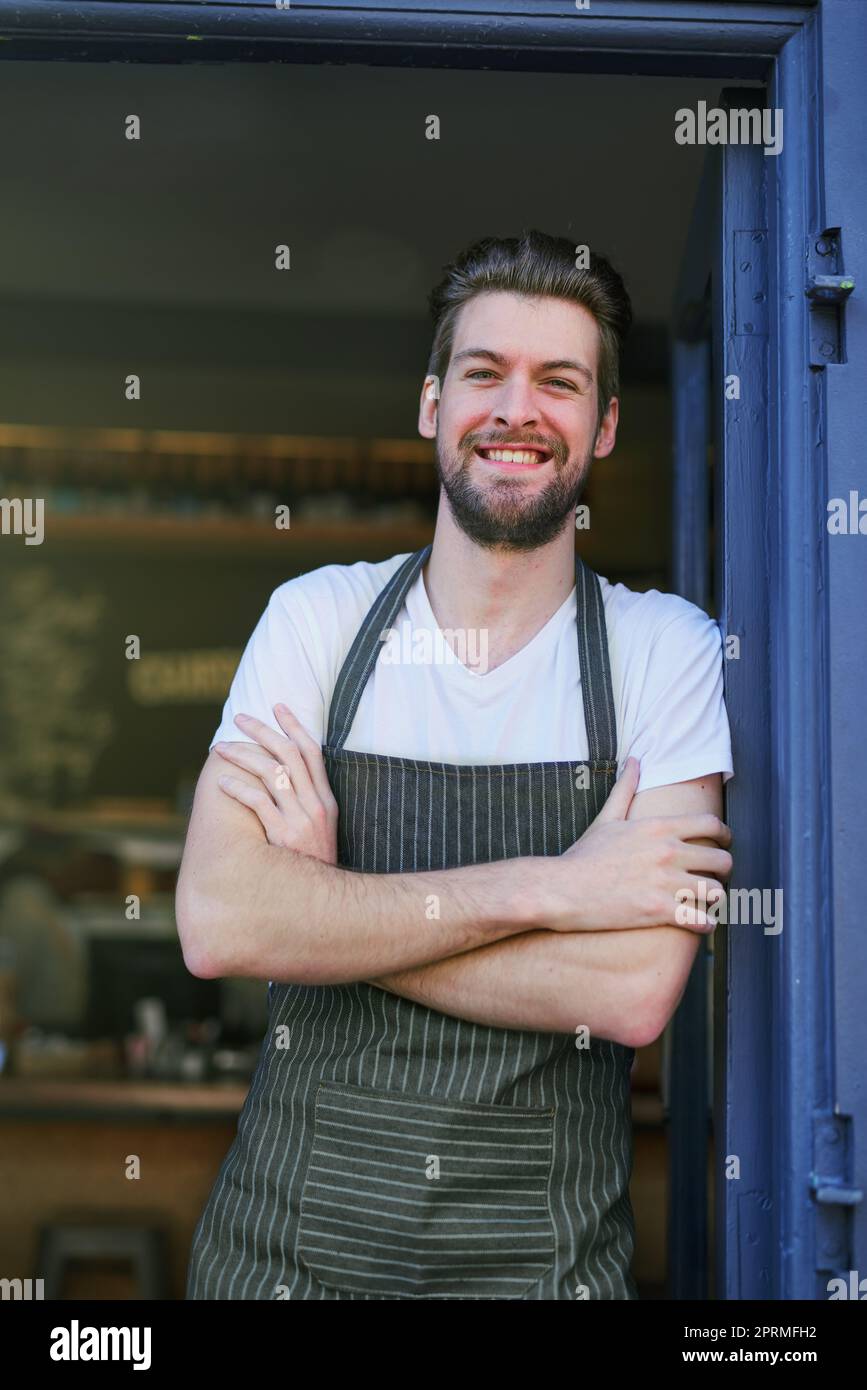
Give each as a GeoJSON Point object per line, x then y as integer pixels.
{"type": "Point", "coordinates": [515, 406]}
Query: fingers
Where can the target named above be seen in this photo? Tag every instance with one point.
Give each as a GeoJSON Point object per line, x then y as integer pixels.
{"type": "Point", "coordinates": [263, 734]}
{"type": "Point", "coordinates": [707, 890]}
{"type": "Point", "coordinates": [620, 797]}
{"type": "Point", "coordinates": [274, 776]}
{"type": "Point", "coordinates": [708, 857]}
{"type": "Point", "coordinates": [694, 917]}
{"type": "Point", "coordinates": [310, 751]}
{"type": "Point", "coordinates": [698, 825]}
{"type": "Point", "coordinates": [258, 801]}
{"type": "Point", "coordinates": [247, 755]}
{"type": "Point", "coordinates": [291, 775]}
{"type": "Point", "coordinates": [252, 759]}
{"type": "Point", "coordinates": [698, 905]}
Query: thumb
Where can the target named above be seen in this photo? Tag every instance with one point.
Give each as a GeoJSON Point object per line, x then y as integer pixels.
{"type": "Point", "coordinates": [622, 792]}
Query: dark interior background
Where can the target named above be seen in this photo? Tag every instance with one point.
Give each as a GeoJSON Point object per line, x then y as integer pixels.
{"type": "Point", "coordinates": [156, 257]}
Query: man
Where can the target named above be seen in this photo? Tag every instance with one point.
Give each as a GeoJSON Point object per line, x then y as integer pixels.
{"type": "Point", "coordinates": [466, 925]}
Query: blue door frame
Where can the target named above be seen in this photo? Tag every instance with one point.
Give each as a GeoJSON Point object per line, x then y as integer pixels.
{"type": "Point", "coordinates": [818, 587]}
{"type": "Point", "coordinates": [721, 331]}
{"type": "Point", "coordinates": [841, 150]}
{"type": "Point", "coordinates": [791, 1026]}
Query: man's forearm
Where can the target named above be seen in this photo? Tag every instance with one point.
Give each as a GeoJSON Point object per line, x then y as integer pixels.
{"type": "Point", "coordinates": [555, 982]}
{"type": "Point", "coordinates": [280, 915]}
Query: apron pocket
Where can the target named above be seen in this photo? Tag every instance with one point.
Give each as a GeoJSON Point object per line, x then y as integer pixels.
{"type": "Point", "coordinates": [413, 1197]}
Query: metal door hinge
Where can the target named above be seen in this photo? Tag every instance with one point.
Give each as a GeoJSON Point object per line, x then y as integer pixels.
{"type": "Point", "coordinates": [827, 289]}
{"type": "Point", "coordinates": [751, 283]}
{"type": "Point", "coordinates": [832, 1190]}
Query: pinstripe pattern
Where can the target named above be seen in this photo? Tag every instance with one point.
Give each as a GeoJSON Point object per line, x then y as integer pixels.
{"type": "Point", "coordinates": [388, 1151]}
{"type": "Point", "coordinates": [367, 1219]}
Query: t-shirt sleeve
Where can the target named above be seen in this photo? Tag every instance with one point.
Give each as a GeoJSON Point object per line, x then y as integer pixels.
{"type": "Point", "coordinates": [278, 665]}
{"type": "Point", "coordinates": [680, 728]}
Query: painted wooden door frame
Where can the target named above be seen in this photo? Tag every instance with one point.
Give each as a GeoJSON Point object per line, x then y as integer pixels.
{"type": "Point", "coordinates": [720, 392]}
{"type": "Point", "coordinates": [795, 1073]}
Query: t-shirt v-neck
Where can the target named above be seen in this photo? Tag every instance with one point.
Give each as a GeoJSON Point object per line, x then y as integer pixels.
{"type": "Point", "coordinates": [421, 615]}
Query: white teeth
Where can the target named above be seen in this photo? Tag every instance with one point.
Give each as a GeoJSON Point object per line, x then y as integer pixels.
{"type": "Point", "coordinates": [512, 456]}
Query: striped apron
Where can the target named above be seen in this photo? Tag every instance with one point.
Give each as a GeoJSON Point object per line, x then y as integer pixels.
{"type": "Point", "coordinates": [389, 1151]}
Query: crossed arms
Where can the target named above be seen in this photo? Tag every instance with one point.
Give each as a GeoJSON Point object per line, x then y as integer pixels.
{"type": "Point", "coordinates": [589, 937]}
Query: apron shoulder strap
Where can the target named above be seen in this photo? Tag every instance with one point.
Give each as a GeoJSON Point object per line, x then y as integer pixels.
{"type": "Point", "coordinates": [364, 652]}
{"type": "Point", "coordinates": [595, 666]}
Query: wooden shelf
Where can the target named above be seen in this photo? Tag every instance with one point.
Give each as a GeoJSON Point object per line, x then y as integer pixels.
{"type": "Point", "coordinates": [246, 536]}
{"type": "Point", "coordinates": [242, 532]}
{"type": "Point", "coordinates": [123, 818]}
{"type": "Point", "coordinates": [23, 1097]}
{"type": "Point", "coordinates": [70, 441]}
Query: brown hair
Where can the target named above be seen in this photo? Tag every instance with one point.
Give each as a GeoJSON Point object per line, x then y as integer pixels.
{"type": "Point", "coordinates": [535, 264]}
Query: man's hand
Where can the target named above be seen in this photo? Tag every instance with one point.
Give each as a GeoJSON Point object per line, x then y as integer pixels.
{"type": "Point", "coordinates": [629, 873]}
{"type": "Point", "coordinates": [294, 801]}
{"type": "Point", "coordinates": [624, 985]}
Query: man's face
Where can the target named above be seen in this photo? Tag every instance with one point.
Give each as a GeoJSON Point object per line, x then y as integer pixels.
{"type": "Point", "coordinates": [522, 373]}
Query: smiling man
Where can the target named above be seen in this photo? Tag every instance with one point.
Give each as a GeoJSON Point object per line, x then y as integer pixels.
{"type": "Point", "coordinates": [467, 924]}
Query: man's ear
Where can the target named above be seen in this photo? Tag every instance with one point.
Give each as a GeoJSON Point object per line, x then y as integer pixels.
{"type": "Point", "coordinates": [607, 433]}
{"type": "Point", "coordinates": [427, 410]}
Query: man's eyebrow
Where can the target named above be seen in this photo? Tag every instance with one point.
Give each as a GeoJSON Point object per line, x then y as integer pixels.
{"type": "Point", "coordinates": [567, 362]}
{"type": "Point", "coordinates": [557, 364]}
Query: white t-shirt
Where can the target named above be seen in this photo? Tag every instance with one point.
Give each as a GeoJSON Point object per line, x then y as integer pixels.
{"type": "Point", "coordinates": [666, 670]}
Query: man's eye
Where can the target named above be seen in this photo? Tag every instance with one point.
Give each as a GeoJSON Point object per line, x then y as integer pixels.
{"type": "Point", "coordinates": [479, 372]}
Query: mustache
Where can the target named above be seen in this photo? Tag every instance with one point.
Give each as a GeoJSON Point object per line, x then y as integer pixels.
{"type": "Point", "coordinates": [555, 447]}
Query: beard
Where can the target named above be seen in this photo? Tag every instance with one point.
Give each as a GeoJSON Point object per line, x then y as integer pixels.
{"type": "Point", "coordinates": [500, 516]}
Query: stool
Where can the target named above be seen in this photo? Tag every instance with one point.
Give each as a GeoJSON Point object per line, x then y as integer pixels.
{"type": "Point", "coordinates": [142, 1246]}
